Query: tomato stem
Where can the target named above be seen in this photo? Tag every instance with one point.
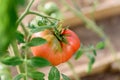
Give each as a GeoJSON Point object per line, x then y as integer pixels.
{"type": "Point", "coordinates": [28, 11]}
{"type": "Point", "coordinates": [24, 29]}
{"type": "Point", "coordinates": [58, 33]}
{"type": "Point", "coordinates": [26, 70]}
{"type": "Point", "coordinates": [38, 14]}
{"type": "Point", "coordinates": [17, 53]}
{"type": "Point", "coordinates": [24, 13]}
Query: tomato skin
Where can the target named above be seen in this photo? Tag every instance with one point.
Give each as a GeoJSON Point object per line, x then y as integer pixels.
{"type": "Point", "coordinates": [51, 51]}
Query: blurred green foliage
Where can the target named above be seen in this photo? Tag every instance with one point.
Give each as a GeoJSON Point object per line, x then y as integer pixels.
{"type": "Point", "coordinates": [8, 18]}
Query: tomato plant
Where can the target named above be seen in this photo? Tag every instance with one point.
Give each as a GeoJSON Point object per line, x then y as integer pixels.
{"type": "Point", "coordinates": [44, 37]}
{"type": "Point", "coordinates": [55, 50]}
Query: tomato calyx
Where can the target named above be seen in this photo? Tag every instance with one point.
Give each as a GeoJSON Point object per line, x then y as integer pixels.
{"type": "Point", "coordinates": [58, 32]}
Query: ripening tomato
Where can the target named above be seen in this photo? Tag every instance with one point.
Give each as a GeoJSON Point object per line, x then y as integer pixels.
{"type": "Point", "coordinates": [54, 50]}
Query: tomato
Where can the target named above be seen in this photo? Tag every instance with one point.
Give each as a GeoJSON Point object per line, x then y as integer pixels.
{"type": "Point", "coordinates": [50, 7]}
{"type": "Point", "coordinates": [54, 50]}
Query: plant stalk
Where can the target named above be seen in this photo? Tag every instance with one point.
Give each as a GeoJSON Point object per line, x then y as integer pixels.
{"type": "Point", "coordinates": [24, 13]}
{"type": "Point", "coordinates": [17, 53]}
{"type": "Point", "coordinates": [24, 29]}
{"type": "Point", "coordinates": [38, 14]}
{"type": "Point", "coordinates": [26, 70]}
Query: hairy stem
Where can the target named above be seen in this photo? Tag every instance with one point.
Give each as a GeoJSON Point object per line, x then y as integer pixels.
{"type": "Point", "coordinates": [17, 53]}
{"type": "Point", "coordinates": [24, 13]}
{"type": "Point", "coordinates": [15, 48]}
{"type": "Point", "coordinates": [24, 29]}
{"type": "Point", "coordinates": [38, 14]}
{"type": "Point", "coordinates": [26, 70]}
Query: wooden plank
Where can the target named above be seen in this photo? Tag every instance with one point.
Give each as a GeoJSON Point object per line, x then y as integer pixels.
{"type": "Point", "coordinates": [107, 9]}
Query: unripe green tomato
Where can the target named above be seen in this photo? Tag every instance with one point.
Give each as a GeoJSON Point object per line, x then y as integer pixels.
{"type": "Point", "coordinates": [50, 7]}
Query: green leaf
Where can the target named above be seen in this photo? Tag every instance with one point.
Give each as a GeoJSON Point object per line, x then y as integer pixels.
{"type": "Point", "coordinates": [36, 75]}
{"type": "Point", "coordinates": [91, 62]}
{"type": "Point", "coordinates": [79, 53]}
{"type": "Point", "coordinates": [3, 54]}
{"type": "Point", "coordinates": [20, 37]}
{"type": "Point", "coordinates": [19, 77]}
{"type": "Point", "coordinates": [65, 77]}
{"type": "Point", "coordinates": [12, 61]}
{"type": "Point", "coordinates": [100, 45]}
{"type": "Point", "coordinates": [91, 57]}
{"type": "Point", "coordinates": [8, 18]}
{"type": "Point", "coordinates": [36, 42]}
{"type": "Point", "coordinates": [94, 52]}
{"type": "Point", "coordinates": [20, 2]}
{"type": "Point", "coordinates": [54, 74]}
{"type": "Point", "coordinates": [38, 62]}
